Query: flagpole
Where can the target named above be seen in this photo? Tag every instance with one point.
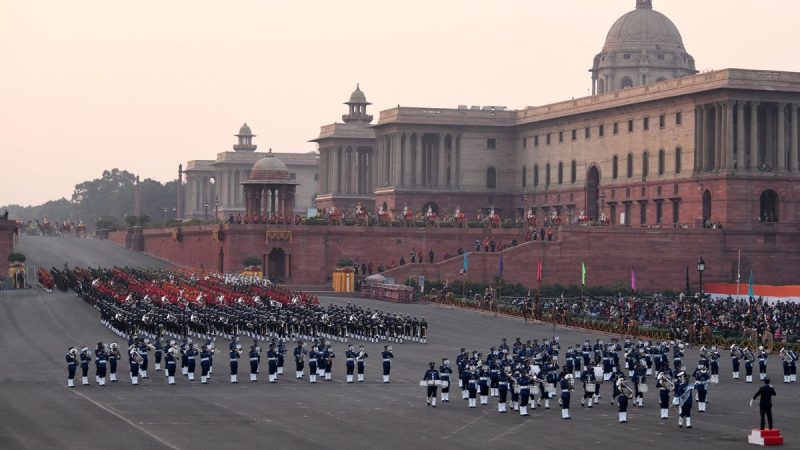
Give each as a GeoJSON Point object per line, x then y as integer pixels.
{"type": "Point", "coordinates": [738, 273]}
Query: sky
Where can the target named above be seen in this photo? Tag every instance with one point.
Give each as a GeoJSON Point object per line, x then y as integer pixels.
{"type": "Point", "coordinates": [89, 85]}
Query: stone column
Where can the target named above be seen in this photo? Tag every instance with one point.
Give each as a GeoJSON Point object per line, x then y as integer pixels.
{"type": "Point", "coordinates": [442, 163]}
{"type": "Point", "coordinates": [418, 160]}
{"type": "Point", "coordinates": [708, 146]}
{"type": "Point", "coordinates": [727, 162]}
{"type": "Point", "coordinates": [780, 153]}
{"type": "Point", "coordinates": [457, 167]}
{"type": "Point", "coordinates": [794, 164]}
{"type": "Point", "coordinates": [699, 117]}
{"type": "Point", "coordinates": [717, 136]}
{"type": "Point", "coordinates": [753, 136]}
{"type": "Point", "coordinates": [740, 161]}
{"type": "Point", "coordinates": [397, 158]}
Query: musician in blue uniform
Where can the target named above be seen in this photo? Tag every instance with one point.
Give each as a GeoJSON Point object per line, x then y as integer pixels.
{"type": "Point", "coordinates": [677, 357]}
{"type": "Point", "coordinates": [565, 382]}
{"type": "Point", "coordinates": [133, 356]}
{"type": "Point", "coordinates": [85, 358]}
{"type": "Point", "coordinates": [361, 358]}
{"type": "Point", "coordinates": [748, 365]}
{"type": "Point", "coordinates": [494, 376]}
{"type": "Point", "coordinates": [663, 392]}
{"type": "Point", "coordinates": [272, 363]}
{"type": "Point", "coordinates": [735, 355]}
{"type": "Point", "coordinates": [281, 354]}
{"type": "Point", "coordinates": [159, 351]}
{"type": "Point", "coordinates": [502, 389]}
{"type": "Point", "coordinates": [445, 373]}
{"type": "Point", "coordinates": [144, 347]}
{"type": "Point", "coordinates": [113, 359]}
{"type": "Point", "coordinates": [622, 400]}
{"type": "Point", "coordinates": [72, 355]}
{"type": "Point", "coordinates": [350, 363]}
{"type": "Point", "coordinates": [171, 363]}
{"type": "Point", "coordinates": [312, 364]}
{"type": "Point", "coordinates": [793, 366]}
{"type": "Point", "coordinates": [461, 362]}
{"type": "Point", "coordinates": [524, 386]}
{"type": "Point", "coordinates": [100, 363]}
{"type": "Point", "coordinates": [639, 381]}
{"type": "Point", "coordinates": [184, 358]}
{"type": "Point", "coordinates": [701, 385]}
{"type": "Point", "coordinates": [471, 375]}
{"type": "Point", "coordinates": [683, 392]}
{"type": "Point", "coordinates": [589, 381]}
{"type": "Point", "coordinates": [299, 360]}
{"type": "Point", "coordinates": [714, 365]}
{"type": "Point", "coordinates": [191, 356]}
{"type": "Point", "coordinates": [430, 378]}
{"type": "Point", "coordinates": [205, 364]}
{"type": "Point", "coordinates": [483, 384]}
{"type": "Point", "coordinates": [762, 362]}
{"type": "Point", "coordinates": [387, 357]}
{"type": "Point", "coordinates": [463, 376]}
{"type": "Point", "coordinates": [234, 355]}
{"type": "Point", "coordinates": [329, 356]}
{"type": "Point", "coordinates": [254, 359]}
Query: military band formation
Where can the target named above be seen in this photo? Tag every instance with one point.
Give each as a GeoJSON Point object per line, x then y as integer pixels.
{"type": "Point", "coordinates": [529, 375]}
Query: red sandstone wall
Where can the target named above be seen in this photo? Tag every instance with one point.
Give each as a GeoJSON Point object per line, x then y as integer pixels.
{"type": "Point", "coordinates": [7, 228]}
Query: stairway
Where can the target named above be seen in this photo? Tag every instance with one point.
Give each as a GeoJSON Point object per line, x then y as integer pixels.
{"type": "Point", "coordinates": [765, 437]}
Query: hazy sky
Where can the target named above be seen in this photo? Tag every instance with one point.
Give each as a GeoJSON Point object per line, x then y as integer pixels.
{"type": "Point", "coordinates": [88, 85]}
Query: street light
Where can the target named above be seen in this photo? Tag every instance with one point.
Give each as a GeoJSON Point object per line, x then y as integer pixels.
{"type": "Point", "coordinates": [216, 209]}
{"type": "Point", "coordinates": [701, 267]}
{"type": "Point", "coordinates": [205, 210]}
{"type": "Point", "coordinates": [165, 216]}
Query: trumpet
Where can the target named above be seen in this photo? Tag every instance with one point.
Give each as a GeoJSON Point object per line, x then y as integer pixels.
{"type": "Point", "coordinates": [627, 391]}
{"type": "Point", "coordinates": [664, 380]}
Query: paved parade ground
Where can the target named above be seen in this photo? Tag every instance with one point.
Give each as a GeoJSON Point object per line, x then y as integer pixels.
{"type": "Point", "coordinates": [38, 411]}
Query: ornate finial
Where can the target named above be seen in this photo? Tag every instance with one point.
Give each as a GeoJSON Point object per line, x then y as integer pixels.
{"type": "Point", "coordinates": [644, 4]}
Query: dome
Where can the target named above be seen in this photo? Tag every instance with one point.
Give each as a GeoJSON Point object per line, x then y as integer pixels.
{"type": "Point", "coordinates": [245, 131]}
{"type": "Point", "coordinates": [269, 169]}
{"type": "Point", "coordinates": [643, 27]}
{"type": "Point", "coordinates": [358, 97]}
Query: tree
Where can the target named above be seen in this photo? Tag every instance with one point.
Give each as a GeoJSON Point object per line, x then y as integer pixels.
{"type": "Point", "coordinates": [252, 261]}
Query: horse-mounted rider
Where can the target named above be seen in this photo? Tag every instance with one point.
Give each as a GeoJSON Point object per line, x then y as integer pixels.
{"type": "Point", "coordinates": [431, 218]}
{"type": "Point", "coordinates": [493, 218]}
{"type": "Point", "coordinates": [459, 218]}
{"type": "Point", "coordinates": [408, 216]}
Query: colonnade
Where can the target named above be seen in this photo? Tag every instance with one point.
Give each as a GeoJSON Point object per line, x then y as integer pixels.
{"type": "Point", "coordinates": [269, 199]}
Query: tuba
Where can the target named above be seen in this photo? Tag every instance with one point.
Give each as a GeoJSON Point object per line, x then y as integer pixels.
{"type": "Point", "coordinates": [626, 391]}
{"type": "Point", "coordinates": [134, 353]}
{"type": "Point", "coordinates": [664, 380]}
{"type": "Point", "coordinates": [571, 379]}
{"type": "Point", "coordinates": [704, 353]}
{"type": "Point", "coordinates": [748, 355]}
{"type": "Point", "coordinates": [787, 358]}
{"type": "Point", "coordinates": [736, 351]}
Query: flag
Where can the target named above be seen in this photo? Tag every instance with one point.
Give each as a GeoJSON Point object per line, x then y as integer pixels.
{"type": "Point", "coordinates": [466, 262]}
{"type": "Point", "coordinates": [633, 280]}
{"type": "Point", "coordinates": [688, 287]}
{"type": "Point", "coordinates": [750, 292]}
{"type": "Point", "coordinates": [539, 271]}
{"type": "Point", "coordinates": [500, 269]}
{"type": "Point", "coordinates": [583, 274]}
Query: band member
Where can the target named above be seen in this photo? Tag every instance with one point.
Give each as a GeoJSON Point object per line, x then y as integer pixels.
{"type": "Point", "coordinates": [683, 392]}
{"type": "Point", "coordinates": [191, 356]}
{"type": "Point", "coordinates": [387, 357]}
{"type": "Point", "coordinates": [483, 384]}
{"type": "Point", "coordinates": [430, 377]}
{"type": "Point", "coordinates": [748, 365]}
{"type": "Point", "coordinates": [113, 358]}
{"type": "Point", "coordinates": [205, 364]}
{"type": "Point", "coordinates": [423, 330]}
{"type": "Point", "coordinates": [299, 360]}
{"type": "Point", "coordinates": [133, 355]}
{"type": "Point", "coordinates": [72, 355]}
{"type": "Point", "coordinates": [313, 357]}
{"type": "Point", "coordinates": [762, 363]}
{"type": "Point", "coordinates": [445, 372]}
{"type": "Point", "coordinates": [735, 352]}
{"type": "Point", "coordinates": [159, 350]}
{"type": "Point", "coordinates": [589, 381]}
{"type": "Point", "coordinates": [100, 364]}
{"type": "Point", "coordinates": [663, 391]}
{"type": "Point", "coordinates": [766, 392]}
{"type": "Point", "coordinates": [360, 363]}
{"type": "Point", "coordinates": [714, 365]}
{"type": "Point", "coordinates": [639, 378]}
{"type": "Point", "coordinates": [793, 366]}
{"type": "Point", "coordinates": [350, 363]}
{"type": "Point", "coordinates": [329, 356]}
{"type": "Point", "coordinates": [701, 386]}
{"type": "Point", "coordinates": [184, 358]}
{"type": "Point", "coordinates": [254, 359]}
{"type": "Point", "coordinates": [502, 388]}
{"type": "Point", "coordinates": [272, 363]}
{"type": "Point", "coordinates": [622, 400]}
{"type": "Point", "coordinates": [281, 352]}
{"type": "Point", "coordinates": [524, 386]}
{"type": "Point", "coordinates": [566, 387]}
{"type": "Point", "coordinates": [677, 357]}
{"type": "Point", "coordinates": [235, 354]}
{"type": "Point", "coordinates": [144, 348]}
{"type": "Point", "coordinates": [472, 386]}
{"type": "Point", "coordinates": [85, 358]}
{"type": "Point", "coordinates": [171, 363]}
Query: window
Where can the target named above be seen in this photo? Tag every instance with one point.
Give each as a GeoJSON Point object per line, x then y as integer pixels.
{"type": "Point", "coordinates": [316, 177]}
{"type": "Point", "coordinates": [491, 178]}
{"type": "Point", "coordinates": [524, 176]}
{"type": "Point", "coordinates": [678, 118]}
{"type": "Point", "coordinates": [677, 160]}
{"type": "Point", "coordinates": [536, 175]}
{"type": "Point", "coordinates": [547, 175]}
{"type": "Point", "coordinates": [658, 191]}
{"type": "Point", "coordinates": [548, 138]}
{"type": "Point", "coordinates": [560, 172]}
{"type": "Point", "coordinates": [524, 142]}
{"type": "Point", "coordinates": [675, 209]}
{"type": "Point", "coordinates": [643, 213]}
{"type": "Point", "coordinates": [536, 141]}
{"type": "Point", "coordinates": [661, 161]}
{"type": "Point", "coordinates": [626, 56]}
{"type": "Point", "coordinates": [675, 190]}
{"type": "Point", "coordinates": [573, 172]}
{"type": "Point", "coordinates": [587, 132]}
{"type": "Point", "coordinates": [491, 143]}
{"type": "Point", "coordinates": [662, 121]}
{"type": "Point", "coordinates": [645, 164]}
{"type": "Point", "coordinates": [627, 213]}
{"type": "Point", "coordinates": [616, 128]}
{"type": "Point", "coordinates": [615, 167]}
{"type": "Point", "coordinates": [560, 136]}
{"type": "Point", "coordinates": [601, 130]}
{"type": "Point", "coordinates": [630, 125]}
{"type": "Point", "coordinates": [660, 56]}
{"type": "Point", "coordinates": [613, 208]}
{"type": "Point", "coordinates": [292, 176]}
{"type": "Point", "coordinates": [630, 165]}
{"type": "Point", "coordinates": [645, 124]}
{"type": "Point", "coordinates": [574, 134]}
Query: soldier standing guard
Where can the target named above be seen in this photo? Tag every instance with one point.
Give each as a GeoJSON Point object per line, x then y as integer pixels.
{"type": "Point", "coordinates": [72, 354]}
{"type": "Point", "coordinates": [387, 357]}
{"type": "Point", "coordinates": [360, 360]}
{"type": "Point", "coordinates": [430, 378]}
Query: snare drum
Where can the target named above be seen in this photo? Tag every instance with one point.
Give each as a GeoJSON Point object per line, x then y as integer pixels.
{"type": "Point", "coordinates": [550, 388]}
{"type": "Point", "coordinates": [536, 369]}
{"type": "Point", "coordinates": [536, 390]}
{"type": "Point", "coordinates": [598, 372]}
{"type": "Point", "coordinates": [642, 388]}
{"type": "Point", "coordinates": [590, 388]}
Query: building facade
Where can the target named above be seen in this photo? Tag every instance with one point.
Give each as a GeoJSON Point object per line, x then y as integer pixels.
{"type": "Point", "coordinates": [216, 186]}
{"type": "Point", "coordinates": [669, 147]}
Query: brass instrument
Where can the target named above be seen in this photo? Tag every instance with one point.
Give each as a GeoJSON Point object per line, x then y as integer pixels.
{"type": "Point", "coordinates": [705, 353]}
{"type": "Point", "coordinates": [626, 391]}
{"type": "Point", "coordinates": [785, 355]}
{"type": "Point", "coordinates": [736, 351]}
{"type": "Point", "coordinates": [664, 380]}
{"type": "Point", "coordinates": [571, 379]}
{"type": "Point", "coordinates": [748, 355]}
{"type": "Point", "coordinates": [136, 356]}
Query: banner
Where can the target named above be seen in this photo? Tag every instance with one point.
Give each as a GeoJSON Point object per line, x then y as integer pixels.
{"type": "Point", "coordinates": [539, 271]}
{"type": "Point", "coordinates": [633, 280]}
{"type": "Point", "coordinates": [500, 269]}
{"type": "Point", "coordinates": [583, 274]}
{"type": "Point", "coordinates": [750, 292]}
{"type": "Point", "coordinates": [466, 263]}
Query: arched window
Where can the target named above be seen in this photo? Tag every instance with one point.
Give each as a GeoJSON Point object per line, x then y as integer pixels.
{"type": "Point", "coordinates": [491, 178]}
{"type": "Point", "coordinates": [625, 83]}
{"type": "Point", "coordinates": [630, 165]}
{"type": "Point", "coordinates": [769, 206]}
{"type": "Point", "coordinates": [615, 167]}
{"type": "Point", "coordinates": [574, 172]}
{"type": "Point", "coordinates": [645, 164]}
{"type": "Point", "coordinates": [524, 176]}
{"type": "Point", "coordinates": [661, 161]}
{"type": "Point", "coordinates": [560, 172]}
{"type": "Point", "coordinates": [547, 175]}
{"type": "Point", "coordinates": [536, 175]}
{"type": "Point", "coordinates": [677, 160]}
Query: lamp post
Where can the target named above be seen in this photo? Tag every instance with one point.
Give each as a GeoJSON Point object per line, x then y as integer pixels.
{"type": "Point", "coordinates": [701, 267]}
{"type": "Point", "coordinates": [216, 209]}
{"type": "Point", "coordinates": [165, 216]}
{"type": "Point", "coordinates": [205, 210]}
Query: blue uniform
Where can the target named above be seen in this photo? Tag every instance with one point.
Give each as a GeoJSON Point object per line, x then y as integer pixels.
{"type": "Point", "coordinates": [159, 351]}
{"type": "Point", "coordinates": [683, 391]}
{"type": "Point", "coordinates": [350, 361]}
{"type": "Point", "coordinates": [71, 366]}
{"type": "Point", "coordinates": [234, 356]}
{"type": "Point", "coordinates": [205, 362]}
{"type": "Point", "coordinates": [312, 361]}
{"type": "Point", "coordinates": [445, 371]}
{"type": "Point", "coordinates": [191, 355]}
{"type": "Point", "coordinates": [360, 361]}
{"type": "Point", "coordinates": [387, 357]}
{"type": "Point", "coordinates": [272, 361]}
{"type": "Point", "coordinates": [169, 360]}
{"type": "Point", "coordinates": [100, 362]}
{"type": "Point", "coordinates": [431, 375]}
{"type": "Point", "coordinates": [254, 362]}
{"type": "Point", "coordinates": [299, 361]}
{"type": "Point", "coordinates": [85, 358]}
{"type": "Point", "coordinates": [565, 393]}
{"type": "Point", "coordinates": [112, 364]}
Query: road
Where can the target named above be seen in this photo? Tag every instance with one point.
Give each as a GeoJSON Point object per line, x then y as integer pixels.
{"type": "Point", "coordinates": [38, 411]}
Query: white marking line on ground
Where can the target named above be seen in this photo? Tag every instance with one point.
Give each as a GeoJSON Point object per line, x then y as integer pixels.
{"type": "Point", "coordinates": [466, 426]}
{"type": "Point", "coordinates": [125, 419]}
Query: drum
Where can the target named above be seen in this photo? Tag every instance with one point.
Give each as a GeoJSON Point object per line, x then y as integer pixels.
{"type": "Point", "coordinates": [423, 383]}
{"type": "Point", "coordinates": [642, 388]}
{"type": "Point", "coordinates": [606, 376]}
{"type": "Point", "coordinates": [598, 372]}
{"type": "Point", "coordinates": [550, 387]}
{"type": "Point", "coordinates": [536, 369]}
{"type": "Point", "coordinates": [443, 383]}
{"type": "Point", "coordinates": [536, 390]}
{"type": "Point", "coordinates": [590, 388]}
{"type": "Point", "coordinates": [516, 389]}
{"type": "Point", "coordinates": [432, 382]}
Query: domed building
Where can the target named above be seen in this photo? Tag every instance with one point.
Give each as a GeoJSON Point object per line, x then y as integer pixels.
{"type": "Point", "coordinates": [642, 47]}
{"type": "Point", "coordinates": [269, 188]}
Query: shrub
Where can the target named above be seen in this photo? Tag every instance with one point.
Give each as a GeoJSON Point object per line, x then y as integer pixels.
{"type": "Point", "coordinates": [252, 261]}
{"type": "Point", "coordinates": [16, 257]}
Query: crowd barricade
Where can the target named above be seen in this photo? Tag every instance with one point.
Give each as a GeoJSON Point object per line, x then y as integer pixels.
{"type": "Point", "coordinates": [389, 292]}
{"type": "Point", "coordinates": [344, 280]}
